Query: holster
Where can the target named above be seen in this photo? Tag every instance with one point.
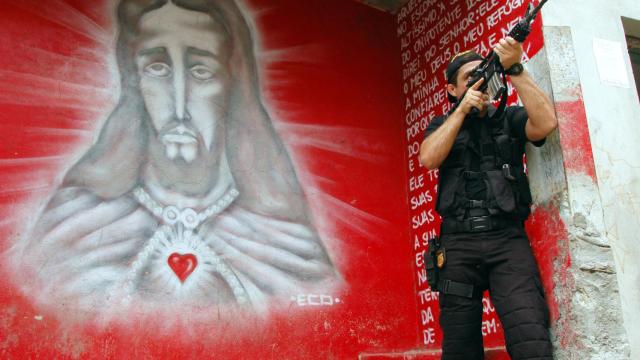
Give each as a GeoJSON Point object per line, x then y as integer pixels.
{"type": "Point", "coordinates": [430, 264]}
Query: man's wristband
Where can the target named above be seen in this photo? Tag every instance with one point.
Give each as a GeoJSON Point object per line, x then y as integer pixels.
{"type": "Point", "coordinates": [515, 70]}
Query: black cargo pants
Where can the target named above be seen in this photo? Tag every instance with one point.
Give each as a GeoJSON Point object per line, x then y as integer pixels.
{"type": "Point", "coordinates": [501, 261]}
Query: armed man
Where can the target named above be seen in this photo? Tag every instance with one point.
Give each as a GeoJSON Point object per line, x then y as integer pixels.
{"type": "Point", "coordinates": [484, 199]}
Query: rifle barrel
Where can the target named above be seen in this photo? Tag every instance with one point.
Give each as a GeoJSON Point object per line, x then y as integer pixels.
{"type": "Point", "coordinates": [535, 11]}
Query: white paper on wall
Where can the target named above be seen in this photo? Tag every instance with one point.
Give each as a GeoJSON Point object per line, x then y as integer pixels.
{"type": "Point", "coordinates": [610, 62]}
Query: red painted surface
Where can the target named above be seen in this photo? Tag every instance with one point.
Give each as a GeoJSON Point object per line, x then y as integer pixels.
{"type": "Point", "coordinates": [574, 136]}
{"type": "Point", "coordinates": [548, 233]}
{"type": "Point", "coordinates": [550, 242]}
{"type": "Point", "coordinates": [339, 71]}
{"type": "Point", "coordinates": [431, 33]}
{"type": "Point", "coordinates": [549, 236]}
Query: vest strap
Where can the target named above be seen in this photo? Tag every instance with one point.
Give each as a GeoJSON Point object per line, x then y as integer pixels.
{"type": "Point", "coordinates": [473, 204]}
{"type": "Point", "coordinates": [474, 175]}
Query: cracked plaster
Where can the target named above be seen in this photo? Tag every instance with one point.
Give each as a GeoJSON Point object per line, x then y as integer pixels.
{"type": "Point", "coordinates": [589, 326]}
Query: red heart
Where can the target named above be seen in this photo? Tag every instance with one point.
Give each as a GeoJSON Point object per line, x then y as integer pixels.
{"type": "Point", "coordinates": [182, 265]}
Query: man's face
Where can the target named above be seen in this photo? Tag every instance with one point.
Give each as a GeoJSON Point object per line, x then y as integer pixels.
{"type": "Point", "coordinates": [182, 60]}
{"type": "Point", "coordinates": [464, 72]}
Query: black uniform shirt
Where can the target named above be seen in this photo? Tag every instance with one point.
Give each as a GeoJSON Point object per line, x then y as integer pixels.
{"type": "Point", "coordinates": [517, 117]}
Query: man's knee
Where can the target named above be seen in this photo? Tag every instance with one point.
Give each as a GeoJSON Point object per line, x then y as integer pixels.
{"type": "Point", "coordinates": [461, 321]}
{"type": "Point", "coordinates": [525, 320]}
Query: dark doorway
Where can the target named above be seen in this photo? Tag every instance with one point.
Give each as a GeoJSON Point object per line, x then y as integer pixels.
{"type": "Point", "coordinates": [632, 34]}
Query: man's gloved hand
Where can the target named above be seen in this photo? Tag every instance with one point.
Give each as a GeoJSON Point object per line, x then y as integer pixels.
{"type": "Point", "coordinates": [474, 99]}
{"type": "Point", "coordinates": [509, 51]}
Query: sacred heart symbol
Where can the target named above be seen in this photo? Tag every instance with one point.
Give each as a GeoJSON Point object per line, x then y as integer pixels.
{"type": "Point", "coordinates": [182, 265]}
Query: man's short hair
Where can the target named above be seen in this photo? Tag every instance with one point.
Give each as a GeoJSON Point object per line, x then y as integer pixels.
{"type": "Point", "coordinates": [456, 63]}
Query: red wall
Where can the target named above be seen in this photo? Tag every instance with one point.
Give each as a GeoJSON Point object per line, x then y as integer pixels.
{"type": "Point", "coordinates": [431, 33]}
{"type": "Point", "coordinates": [331, 75]}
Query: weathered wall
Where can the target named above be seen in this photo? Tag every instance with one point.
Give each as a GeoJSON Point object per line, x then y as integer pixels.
{"type": "Point", "coordinates": [319, 114]}
{"type": "Point", "coordinates": [587, 315]}
{"type": "Point", "coordinates": [612, 116]}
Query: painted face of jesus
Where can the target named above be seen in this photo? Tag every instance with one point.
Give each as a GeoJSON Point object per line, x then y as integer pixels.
{"type": "Point", "coordinates": [182, 60]}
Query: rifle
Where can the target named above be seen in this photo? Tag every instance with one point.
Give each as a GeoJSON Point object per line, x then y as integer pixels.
{"type": "Point", "coordinates": [490, 68]}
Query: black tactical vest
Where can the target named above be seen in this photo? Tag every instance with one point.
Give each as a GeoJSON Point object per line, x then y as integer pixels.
{"type": "Point", "coordinates": [500, 167]}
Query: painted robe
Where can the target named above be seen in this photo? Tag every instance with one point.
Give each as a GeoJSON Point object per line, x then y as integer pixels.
{"type": "Point", "coordinates": [99, 253]}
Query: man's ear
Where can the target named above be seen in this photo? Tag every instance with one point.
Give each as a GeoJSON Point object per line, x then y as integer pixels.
{"type": "Point", "coordinates": [451, 89]}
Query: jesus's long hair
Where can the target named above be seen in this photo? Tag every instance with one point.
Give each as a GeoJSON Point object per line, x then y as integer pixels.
{"type": "Point", "coordinates": [259, 162]}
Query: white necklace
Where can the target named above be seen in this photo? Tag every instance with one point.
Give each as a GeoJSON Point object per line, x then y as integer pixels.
{"type": "Point", "coordinates": [188, 217]}
{"type": "Point", "coordinates": [180, 226]}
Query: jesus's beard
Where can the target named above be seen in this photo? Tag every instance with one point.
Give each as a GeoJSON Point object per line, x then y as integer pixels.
{"type": "Point", "coordinates": [190, 178]}
{"type": "Point", "coordinates": [188, 151]}
{"type": "Point", "coordinates": [181, 142]}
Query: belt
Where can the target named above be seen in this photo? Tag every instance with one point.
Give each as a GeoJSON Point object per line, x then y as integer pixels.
{"type": "Point", "coordinates": [477, 224]}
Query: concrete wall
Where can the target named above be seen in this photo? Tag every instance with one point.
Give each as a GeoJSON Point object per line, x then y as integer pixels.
{"type": "Point", "coordinates": [612, 117]}
{"type": "Point", "coordinates": [585, 301]}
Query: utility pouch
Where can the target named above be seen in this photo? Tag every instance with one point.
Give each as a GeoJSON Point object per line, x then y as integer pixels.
{"type": "Point", "coordinates": [502, 191]}
{"type": "Point", "coordinates": [503, 147]}
{"type": "Point", "coordinates": [433, 262]}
